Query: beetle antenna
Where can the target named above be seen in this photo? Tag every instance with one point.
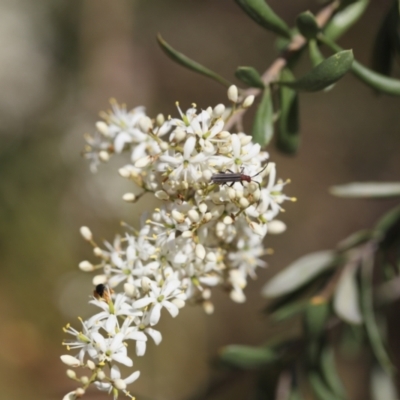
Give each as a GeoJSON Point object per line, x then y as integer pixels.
{"type": "Point", "coordinates": [259, 172]}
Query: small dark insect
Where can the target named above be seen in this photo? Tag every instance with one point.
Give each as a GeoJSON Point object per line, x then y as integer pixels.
{"type": "Point", "coordinates": [102, 292]}
{"type": "Point", "coordinates": [232, 177]}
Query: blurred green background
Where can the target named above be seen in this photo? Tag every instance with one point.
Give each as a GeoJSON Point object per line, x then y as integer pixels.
{"type": "Point", "coordinates": [61, 62]}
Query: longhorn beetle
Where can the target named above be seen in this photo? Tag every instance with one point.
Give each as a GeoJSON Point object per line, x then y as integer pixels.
{"type": "Point", "coordinates": [224, 178]}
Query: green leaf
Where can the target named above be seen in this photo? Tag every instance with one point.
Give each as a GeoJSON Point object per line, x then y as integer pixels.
{"type": "Point", "coordinates": [316, 56]}
{"type": "Point", "coordinates": [315, 317]}
{"type": "Point", "coordinates": [382, 386]}
{"type": "Point", "coordinates": [355, 239]}
{"type": "Point", "coordinates": [289, 310]}
{"type": "Point", "coordinates": [376, 81]}
{"type": "Point", "coordinates": [325, 74]}
{"type": "Point", "coordinates": [288, 124]}
{"type": "Point", "coordinates": [383, 50]}
{"type": "Point", "coordinates": [367, 189]}
{"type": "Point", "coordinates": [307, 25]}
{"type": "Point", "coordinates": [389, 220]}
{"type": "Point", "coordinates": [250, 77]}
{"type": "Point", "coordinates": [263, 124]}
{"type": "Point", "coordinates": [372, 329]}
{"type": "Point", "coordinates": [330, 374]}
{"type": "Point", "coordinates": [262, 13]}
{"type": "Point", "coordinates": [299, 273]}
{"type": "Point", "coordinates": [345, 18]}
{"type": "Point", "coordinates": [320, 388]}
{"type": "Point", "coordinates": [247, 357]}
{"type": "Point", "coordinates": [389, 226]}
{"type": "Point", "coordinates": [189, 63]}
{"type": "Point", "coordinates": [346, 299]}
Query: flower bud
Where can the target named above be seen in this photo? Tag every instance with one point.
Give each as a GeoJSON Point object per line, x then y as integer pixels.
{"type": "Point", "coordinates": [86, 266]}
{"type": "Point", "coordinates": [233, 93]}
{"type": "Point", "coordinates": [228, 220]}
{"type": "Point", "coordinates": [161, 195]}
{"type": "Point", "coordinates": [160, 119]}
{"type": "Point", "coordinates": [86, 233]}
{"type": "Point", "coordinates": [91, 365]}
{"type": "Point", "coordinates": [203, 207]}
{"type": "Point", "coordinates": [208, 307]}
{"type": "Point", "coordinates": [145, 124]}
{"type": "Point", "coordinates": [244, 203]}
{"type": "Point", "coordinates": [276, 227]}
{"type": "Point", "coordinates": [200, 251]}
{"type": "Point", "coordinates": [179, 134]}
{"type": "Point", "coordinates": [84, 380]}
{"type": "Point", "coordinates": [120, 384]}
{"type": "Point", "coordinates": [193, 215]}
{"type": "Point", "coordinates": [102, 127]}
{"type": "Point", "coordinates": [142, 162]}
{"type": "Point", "coordinates": [70, 361]}
{"type": "Point", "coordinates": [177, 216]}
{"type": "Point", "coordinates": [130, 290]}
{"type": "Point", "coordinates": [218, 110]}
{"type": "Point", "coordinates": [124, 172]}
{"type": "Point", "coordinates": [104, 156]}
{"type": "Point", "coordinates": [146, 284]}
{"type": "Point", "coordinates": [129, 197]}
{"type": "Point", "coordinates": [71, 374]}
{"type": "Point", "coordinates": [101, 375]}
{"type": "Point", "coordinates": [248, 101]}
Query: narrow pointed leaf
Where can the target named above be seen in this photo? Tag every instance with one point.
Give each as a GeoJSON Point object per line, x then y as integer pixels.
{"type": "Point", "coordinates": [299, 273]}
{"type": "Point", "coordinates": [247, 357]}
{"type": "Point", "coordinates": [383, 50]}
{"type": "Point", "coordinates": [288, 132]}
{"type": "Point", "coordinates": [330, 374]}
{"type": "Point", "coordinates": [320, 388]}
{"type": "Point", "coordinates": [389, 226]}
{"type": "Point", "coordinates": [345, 18]}
{"type": "Point", "coordinates": [316, 315]}
{"type": "Point", "coordinates": [263, 14]}
{"type": "Point", "coordinates": [325, 74]}
{"type": "Point", "coordinates": [346, 301]}
{"type": "Point", "coordinates": [374, 335]}
{"type": "Point", "coordinates": [376, 81]}
{"type": "Point", "coordinates": [316, 56]}
{"type": "Point", "coordinates": [367, 189]}
{"type": "Point", "coordinates": [189, 63]}
{"type": "Point", "coordinates": [355, 240]}
{"type": "Point", "coordinates": [289, 310]}
{"type": "Point", "coordinates": [307, 25]}
{"type": "Point", "coordinates": [250, 77]}
{"type": "Point", "coordinates": [263, 125]}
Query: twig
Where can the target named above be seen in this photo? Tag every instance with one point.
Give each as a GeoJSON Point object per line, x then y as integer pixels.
{"type": "Point", "coordinates": [297, 43]}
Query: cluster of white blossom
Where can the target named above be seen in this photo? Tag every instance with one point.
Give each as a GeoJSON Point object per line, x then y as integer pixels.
{"type": "Point", "coordinates": [219, 197]}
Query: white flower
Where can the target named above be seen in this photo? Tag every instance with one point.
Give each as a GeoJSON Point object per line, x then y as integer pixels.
{"type": "Point", "coordinates": [116, 381]}
{"type": "Point", "coordinates": [108, 317]}
{"type": "Point", "coordinates": [160, 297]}
{"type": "Point", "coordinates": [109, 349]}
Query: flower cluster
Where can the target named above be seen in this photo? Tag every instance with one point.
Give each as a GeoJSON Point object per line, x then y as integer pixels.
{"type": "Point", "coordinates": [219, 197]}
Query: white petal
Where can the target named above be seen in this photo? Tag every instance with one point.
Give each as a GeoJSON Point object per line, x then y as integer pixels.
{"type": "Point", "coordinates": [143, 302]}
{"type": "Point", "coordinates": [172, 308]}
{"type": "Point", "coordinates": [155, 335]}
{"type": "Point", "coordinates": [189, 147]}
{"type": "Point", "coordinates": [132, 377]}
{"type": "Point", "coordinates": [111, 323]}
{"type": "Point", "coordinates": [120, 141]}
{"type": "Point", "coordinates": [115, 373]}
{"type": "Point", "coordinates": [140, 348]}
{"type": "Point", "coordinates": [155, 314]}
{"type": "Point", "coordinates": [123, 359]}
